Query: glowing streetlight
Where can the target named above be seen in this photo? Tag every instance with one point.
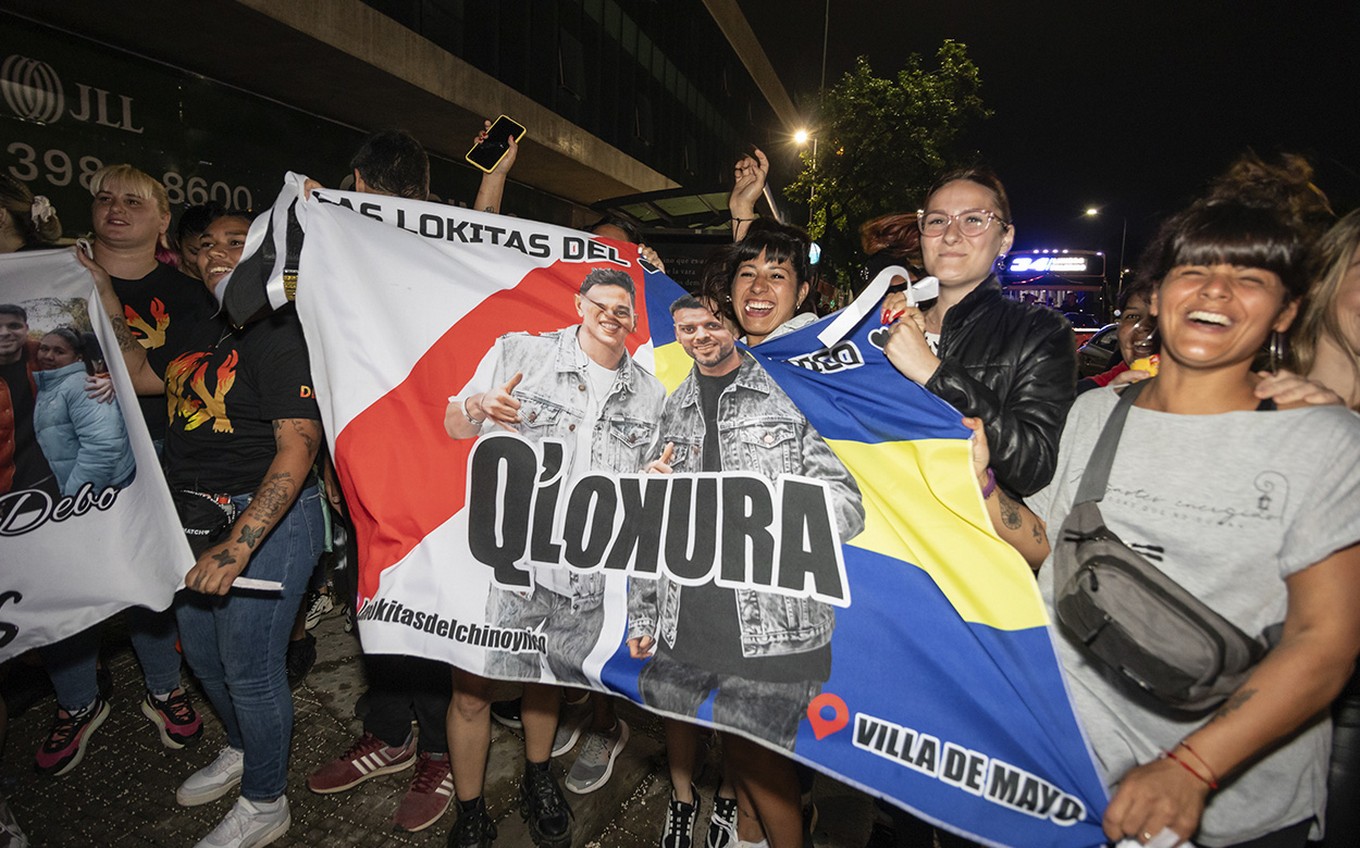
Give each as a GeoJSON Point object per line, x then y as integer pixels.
{"type": "Point", "coordinates": [801, 137]}
{"type": "Point", "coordinates": [1092, 211]}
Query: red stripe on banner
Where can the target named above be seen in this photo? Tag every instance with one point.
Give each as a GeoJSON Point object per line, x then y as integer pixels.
{"type": "Point", "coordinates": [401, 473]}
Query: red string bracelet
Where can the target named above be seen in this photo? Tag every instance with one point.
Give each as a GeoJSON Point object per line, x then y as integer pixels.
{"type": "Point", "coordinates": [1212, 784]}
{"type": "Point", "coordinates": [1203, 762]}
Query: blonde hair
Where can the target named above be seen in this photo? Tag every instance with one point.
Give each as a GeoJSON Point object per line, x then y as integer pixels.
{"type": "Point", "coordinates": [1334, 252]}
{"type": "Point", "coordinates": [135, 181]}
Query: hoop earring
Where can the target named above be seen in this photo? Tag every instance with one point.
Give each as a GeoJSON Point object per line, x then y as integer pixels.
{"type": "Point", "coordinates": [1278, 350]}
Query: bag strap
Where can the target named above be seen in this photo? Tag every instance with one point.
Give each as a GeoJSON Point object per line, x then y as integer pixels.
{"type": "Point", "coordinates": [1096, 477]}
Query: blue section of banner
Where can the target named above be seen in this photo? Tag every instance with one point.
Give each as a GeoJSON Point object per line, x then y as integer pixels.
{"type": "Point", "coordinates": [880, 405]}
{"type": "Point", "coordinates": [963, 722]}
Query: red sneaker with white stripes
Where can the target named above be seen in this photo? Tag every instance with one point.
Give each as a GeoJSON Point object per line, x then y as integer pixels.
{"type": "Point", "coordinates": [368, 757]}
{"type": "Point", "coordinates": [429, 796]}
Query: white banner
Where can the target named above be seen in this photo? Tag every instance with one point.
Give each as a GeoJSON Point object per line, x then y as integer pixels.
{"type": "Point", "coordinates": [86, 523]}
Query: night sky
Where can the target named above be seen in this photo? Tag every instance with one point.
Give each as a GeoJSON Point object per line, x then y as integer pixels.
{"type": "Point", "coordinates": [1131, 106]}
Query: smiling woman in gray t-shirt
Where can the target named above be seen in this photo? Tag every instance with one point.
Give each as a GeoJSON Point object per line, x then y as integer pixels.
{"type": "Point", "coordinates": [1254, 510]}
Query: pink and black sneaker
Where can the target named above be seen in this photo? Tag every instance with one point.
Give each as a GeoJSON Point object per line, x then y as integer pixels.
{"type": "Point", "coordinates": [64, 746]}
{"type": "Point", "coordinates": [175, 718]}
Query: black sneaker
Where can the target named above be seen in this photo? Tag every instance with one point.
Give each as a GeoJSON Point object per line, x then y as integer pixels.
{"type": "Point", "coordinates": [678, 832]}
{"type": "Point", "coordinates": [507, 713]}
{"type": "Point", "coordinates": [474, 828]}
{"type": "Point", "coordinates": [722, 826]}
{"type": "Point", "coordinates": [545, 809]}
{"type": "Point", "coordinates": [300, 658]}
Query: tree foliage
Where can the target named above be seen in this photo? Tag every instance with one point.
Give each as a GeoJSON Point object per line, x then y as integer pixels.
{"type": "Point", "coordinates": [881, 143]}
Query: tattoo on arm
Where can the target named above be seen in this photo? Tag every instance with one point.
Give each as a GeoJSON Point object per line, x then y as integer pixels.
{"type": "Point", "coordinates": [1010, 510]}
{"type": "Point", "coordinates": [303, 428]}
{"type": "Point", "coordinates": [273, 498]}
{"type": "Point", "coordinates": [249, 536]}
{"type": "Point", "coordinates": [224, 559]}
{"type": "Point", "coordinates": [1234, 703]}
{"type": "Point", "coordinates": [123, 332]}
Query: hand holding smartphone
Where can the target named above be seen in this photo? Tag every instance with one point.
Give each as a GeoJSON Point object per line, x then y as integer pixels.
{"type": "Point", "coordinates": [488, 153]}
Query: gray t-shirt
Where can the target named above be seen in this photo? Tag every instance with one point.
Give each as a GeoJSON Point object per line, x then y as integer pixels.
{"type": "Point", "coordinates": [1234, 504]}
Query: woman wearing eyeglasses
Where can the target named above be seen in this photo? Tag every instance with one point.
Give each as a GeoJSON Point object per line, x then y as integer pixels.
{"type": "Point", "coordinates": [1011, 364]}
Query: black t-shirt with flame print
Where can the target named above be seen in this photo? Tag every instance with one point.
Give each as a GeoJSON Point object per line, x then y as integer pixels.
{"type": "Point", "coordinates": [161, 308]}
{"type": "Point", "coordinates": [224, 391]}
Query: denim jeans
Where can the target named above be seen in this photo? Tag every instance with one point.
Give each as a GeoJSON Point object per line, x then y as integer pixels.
{"type": "Point", "coordinates": [763, 709]}
{"type": "Point", "coordinates": [236, 646]}
{"type": "Point", "coordinates": [570, 634]}
{"type": "Point", "coordinates": [71, 662]}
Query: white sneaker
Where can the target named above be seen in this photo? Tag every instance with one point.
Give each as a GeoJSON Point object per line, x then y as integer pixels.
{"type": "Point", "coordinates": [249, 824]}
{"type": "Point", "coordinates": [572, 719]}
{"type": "Point", "coordinates": [214, 780]}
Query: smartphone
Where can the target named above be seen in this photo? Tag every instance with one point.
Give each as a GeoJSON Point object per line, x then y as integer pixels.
{"type": "Point", "coordinates": [488, 154]}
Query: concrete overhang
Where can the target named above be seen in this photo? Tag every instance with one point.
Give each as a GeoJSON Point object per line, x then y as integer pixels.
{"type": "Point", "coordinates": [342, 60]}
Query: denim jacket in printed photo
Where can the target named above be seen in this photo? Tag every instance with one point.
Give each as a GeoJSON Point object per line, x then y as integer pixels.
{"type": "Point", "coordinates": [554, 400]}
{"type": "Point", "coordinates": [761, 431]}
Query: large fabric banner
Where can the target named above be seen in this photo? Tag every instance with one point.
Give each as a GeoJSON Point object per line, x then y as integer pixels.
{"type": "Point", "coordinates": [803, 558]}
{"type": "Point", "coordinates": [86, 523]}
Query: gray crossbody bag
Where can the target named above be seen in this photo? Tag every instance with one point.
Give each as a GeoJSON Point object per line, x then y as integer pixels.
{"type": "Point", "coordinates": [1131, 616]}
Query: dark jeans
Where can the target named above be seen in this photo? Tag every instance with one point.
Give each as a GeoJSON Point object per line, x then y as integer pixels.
{"type": "Point", "coordinates": [765, 710]}
{"type": "Point", "coordinates": [236, 646]}
{"type": "Point", "coordinates": [401, 687]}
{"type": "Point", "coordinates": [71, 662]}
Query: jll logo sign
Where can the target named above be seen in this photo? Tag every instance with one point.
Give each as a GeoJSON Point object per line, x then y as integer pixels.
{"type": "Point", "coordinates": [34, 92]}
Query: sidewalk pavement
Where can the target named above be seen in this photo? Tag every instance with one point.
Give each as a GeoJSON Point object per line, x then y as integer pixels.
{"type": "Point", "coordinates": [123, 792]}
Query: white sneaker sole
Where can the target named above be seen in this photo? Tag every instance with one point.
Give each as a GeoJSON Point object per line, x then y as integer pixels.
{"type": "Point", "coordinates": [203, 796]}
{"type": "Point", "coordinates": [270, 835]}
{"type": "Point", "coordinates": [94, 724]}
{"type": "Point", "coordinates": [166, 739]}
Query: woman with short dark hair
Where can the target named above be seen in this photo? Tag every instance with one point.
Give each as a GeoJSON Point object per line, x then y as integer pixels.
{"type": "Point", "coordinates": [1249, 508]}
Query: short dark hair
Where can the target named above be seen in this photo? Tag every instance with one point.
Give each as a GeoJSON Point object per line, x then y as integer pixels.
{"type": "Point", "coordinates": [686, 301]}
{"type": "Point", "coordinates": [220, 212]}
{"type": "Point", "coordinates": [1232, 231]}
{"type": "Point", "coordinates": [609, 277]}
{"type": "Point", "coordinates": [629, 228]}
{"type": "Point", "coordinates": [195, 219]}
{"type": "Point", "coordinates": [14, 309]}
{"type": "Point", "coordinates": [980, 175]}
{"type": "Point", "coordinates": [779, 242]}
{"type": "Point", "coordinates": [392, 162]}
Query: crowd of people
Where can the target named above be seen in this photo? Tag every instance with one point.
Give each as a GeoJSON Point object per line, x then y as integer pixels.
{"type": "Point", "coordinates": [1237, 376]}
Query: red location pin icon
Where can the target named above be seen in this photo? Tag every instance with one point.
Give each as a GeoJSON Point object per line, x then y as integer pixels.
{"type": "Point", "coordinates": [822, 726]}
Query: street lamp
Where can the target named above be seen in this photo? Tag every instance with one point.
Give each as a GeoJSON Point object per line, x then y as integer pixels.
{"type": "Point", "coordinates": [801, 137]}
{"type": "Point", "coordinates": [1094, 212]}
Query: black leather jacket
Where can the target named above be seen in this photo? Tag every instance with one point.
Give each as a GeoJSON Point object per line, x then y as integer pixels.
{"type": "Point", "coordinates": [1014, 366]}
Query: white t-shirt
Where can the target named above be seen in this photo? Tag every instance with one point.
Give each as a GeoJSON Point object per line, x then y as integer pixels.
{"type": "Point", "coordinates": [1236, 502]}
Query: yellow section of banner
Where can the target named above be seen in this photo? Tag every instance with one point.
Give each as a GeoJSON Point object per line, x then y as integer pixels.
{"type": "Point", "coordinates": [672, 365]}
{"type": "Point", "coordinates": [922, 505]}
